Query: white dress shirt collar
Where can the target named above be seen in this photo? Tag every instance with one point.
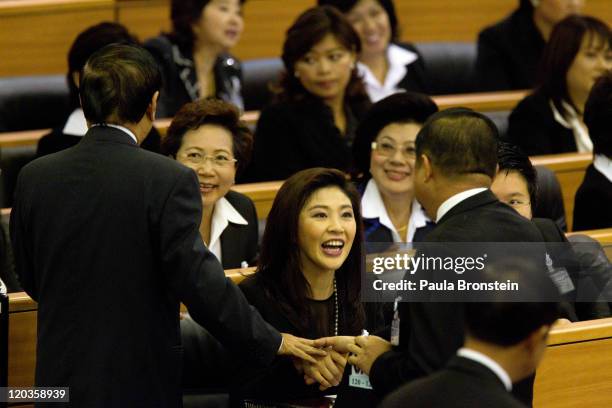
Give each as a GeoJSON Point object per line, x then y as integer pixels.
{"type": "Point", "coordinates": [603, 165]}
{"type": "Point", "coordinates": [372, 206]}
{"type": "Point", "coordinates": [223, 213]}
{"type": "Point", "coordinates": [398, 58]}
{"type": "Point", "coordinates": [76, 125]}
{"type": "Point", "coordinates": [122, 128]}
{"type": "Point", "coordinates": [487, 362]}
{"type": "Point", "coordinates": [573, 122]}
{"type": "Point", "coordinates": [456, 199]}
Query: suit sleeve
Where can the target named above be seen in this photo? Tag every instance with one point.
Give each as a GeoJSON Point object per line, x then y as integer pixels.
{"type": "Point", "coordinates": [197, 278]}
{"type": "Point", "coordinates": [22, 248]}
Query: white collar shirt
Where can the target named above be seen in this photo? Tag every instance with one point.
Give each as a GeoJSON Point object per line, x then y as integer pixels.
{"type": "Point", "coordinates": [398, 58]}
{"type": "Point", "coordinates": [452, 201]}
{"type": "Point", "coordinates": [487, 362]}
{"type": "Point", "coordinates": [603, 165]}
{"type": "Point", "coordinates": [76, 125]}
{"type": "Point", "coordinates": [372, 206]}
{"type": "Point", "coordinates": [573, 122]}
{"type": "Point", "coordinates": [223, 213]}
{"type": "Point", "coordinates": [122, 128]}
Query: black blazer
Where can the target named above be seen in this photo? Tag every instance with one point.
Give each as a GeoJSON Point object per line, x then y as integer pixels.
{"type": "Point", "coordinates": [415, 79]}
{"type": "Point", "coordinates": [179, 77]}
{"type": "Point", "coordinates": [106, 240]}
{"type": "Point", "coordinates": [593, 202]}
{"type": "Point", "coordinates": [240, 242]}
{"type": "Point", "coordinates": [532, 127]}
{"type": "Point", "coordinates": [462, 383]}
{"type": "Point", "coordinates": [509, 53]}
{"type": "Point", "coordinates": [293, 136]}
{"type": "Point", "coordinates": [426, 347]}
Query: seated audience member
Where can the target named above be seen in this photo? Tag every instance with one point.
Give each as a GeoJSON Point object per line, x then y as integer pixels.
{"type": "Point", "coordinates": [193, 57]}
{"type": "Point", "coordinates": [209, 137]}
{"type": "Point", "coordinates": [510, 50]}
{"type": "Point", "coordinates": [515, 185]}
{"type": "Point", "coordinates": [505, 341]}
{"type": "Point", "coordinates": [593, 202]}
{"type": "Point", "coordinates": [550, 119]}
{"type": "Point", "coordinates": [75, 127]}
{"type": "Point", "coordinates": [321, 101]}
{"type": "Point", "coordinates": [386, 66]}
{"type": "Point", "coordinates": [384, 162]}
{"type": "Point", "coordinates": [308, 279]}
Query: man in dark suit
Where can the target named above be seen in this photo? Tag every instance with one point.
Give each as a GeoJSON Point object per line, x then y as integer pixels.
{"type": "Point", "coordinates": [456, 154]}
{"type": "Point", "coordinates": [505, 340]}
{"type": "Point", "coordinates": [594, 196]}
{"type": "Point", "coordinates": [106, 241]}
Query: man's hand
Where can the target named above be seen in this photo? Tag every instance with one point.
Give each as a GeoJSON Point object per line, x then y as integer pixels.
{"type": "Point", "coordinates": [300, 348]}
{"type": "Point", "coordinates": [327, 371]}
{"type": "Point", "coordinates": [366, 350]}
{"type": "Point", "coordinates": [338, 343]}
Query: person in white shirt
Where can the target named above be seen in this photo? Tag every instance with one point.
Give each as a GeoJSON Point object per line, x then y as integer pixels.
{"type": "Point", "coordinates": [208, 136]}
{"type": "Point", "coordinates": [384, 153]}
{"type": "Point", "coordinates": [387, 67]}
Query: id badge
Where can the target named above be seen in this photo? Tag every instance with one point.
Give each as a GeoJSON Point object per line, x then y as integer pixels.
{"type": "Point", "coordinates": [562, 279]}
{"type": "Point", "coordinates": [359, 379]}
{"type": "Point", "coordinates": [395, 323]}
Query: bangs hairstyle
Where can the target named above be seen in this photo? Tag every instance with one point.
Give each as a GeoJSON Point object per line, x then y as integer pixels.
{"type": "Point", "coordinates": [307, 31]}
{"type": "Point", "coordinates": [511, 158]}
{"type": "Point", "coordinates": [458, 142]}
{"type": "Point", "coordinates": [184, 14]}
{"type": "Point", "coordinates": [598, 115]}
{"type": "Point", "coordinates": [118, 83]}
{"type": "Point", "coordinates": [210, 112]}
{"type": "Point", "coordinates": [279, 262]}
{"type": "Point", "coordinates": [345, 6]}
{"type": "Point", "coordinates": [561, 50]}
{"type": "Point", "coordinates": [403, 107]}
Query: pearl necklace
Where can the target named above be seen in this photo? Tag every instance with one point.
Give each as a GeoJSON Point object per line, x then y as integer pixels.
{"type": "Point", "coordinates": [335, 308]}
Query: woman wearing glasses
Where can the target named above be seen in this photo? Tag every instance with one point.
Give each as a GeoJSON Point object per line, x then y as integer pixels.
{"type": "Point", "coordinates": [384, 152]}
{"type": "Point", "coordinates": [320, 101]}
{"type": "Point", "coordinates": [209, 137]}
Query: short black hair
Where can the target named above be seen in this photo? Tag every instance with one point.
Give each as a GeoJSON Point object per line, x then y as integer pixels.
{"type": "Point", "coordinates": [598, 115]}
{"type": "Point", "coordinates": [403, 107]}
{"type": "Point", "coordinates": [505, 322]}
{"type": "Point", "coordinates": [88, 42]}
{"type": "Point", "coordinates": [459, 141]}
{"type": "Point", "coordinates": [511, 158]}
{"type": "Point", "coordinates": [118, 83]}
{"type": "Point", "coordinates": [345, 6]}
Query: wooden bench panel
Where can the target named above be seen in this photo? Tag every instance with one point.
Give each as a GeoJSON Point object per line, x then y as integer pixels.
{"type": "Point", "coordinates": [35, 35]}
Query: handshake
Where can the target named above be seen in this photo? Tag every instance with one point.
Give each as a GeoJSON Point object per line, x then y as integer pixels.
{"type": "Point", "coordinates": [323, 360]}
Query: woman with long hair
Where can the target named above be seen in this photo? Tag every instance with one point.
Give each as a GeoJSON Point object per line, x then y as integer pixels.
{"type": "Point", "coordinates": [550, 120]}
{"type": "Point", "coordinates": [321, 100]}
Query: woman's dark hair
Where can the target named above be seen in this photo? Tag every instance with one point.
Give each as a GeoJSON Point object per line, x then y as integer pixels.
{"type": "Point", "coordinates": [210, 112]}
{"type": "Point", "coordinates": [306, 32]}
{"type": "Point", "coordinates": [87, 43]}
{"type": "Point", "coordinates": [346, 6]}
{"type": "Point", "coordinates": [403, 107]}
{"type": "Point", "coordinates": [184, 14]}
{"type": "Point", "coordinates": [279, 262]}
{"type": "Point", "coordinates": [597, 115]}
{"type": "Point", "coordinates": [560, 52]}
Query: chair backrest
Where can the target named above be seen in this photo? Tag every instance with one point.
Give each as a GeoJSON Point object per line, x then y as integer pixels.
{"type": "Point", "coordinates": [449, 66]}
{"type": "Point", "coordinates": [33, 102]}
{"type": "Point", "coordinates": [258, 74]}
{"type": "Point", "coordinates": [550, 199]}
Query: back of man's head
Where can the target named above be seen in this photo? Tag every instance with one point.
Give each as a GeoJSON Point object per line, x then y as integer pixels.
{"type": "Point", "coordinates": [508, 319]}
{"type": "Point", "coordinates": [87, 43]}
{"type": "Point", "coordinates": [597, 115]}
{"type": "Point", "coordinates": [118, 83]}
{"type": "Point", "coordinates": [459, 142]}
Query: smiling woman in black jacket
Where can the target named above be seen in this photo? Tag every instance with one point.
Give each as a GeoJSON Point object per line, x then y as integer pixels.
{"type": "Point", "coordinates": [320, 102]}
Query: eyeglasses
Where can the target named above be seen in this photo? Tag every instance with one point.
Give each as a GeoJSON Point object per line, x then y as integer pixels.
{"type": "Point", "coordinates": [387, 149]}
{"type": "Point", "coordinates": [218, 160]}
